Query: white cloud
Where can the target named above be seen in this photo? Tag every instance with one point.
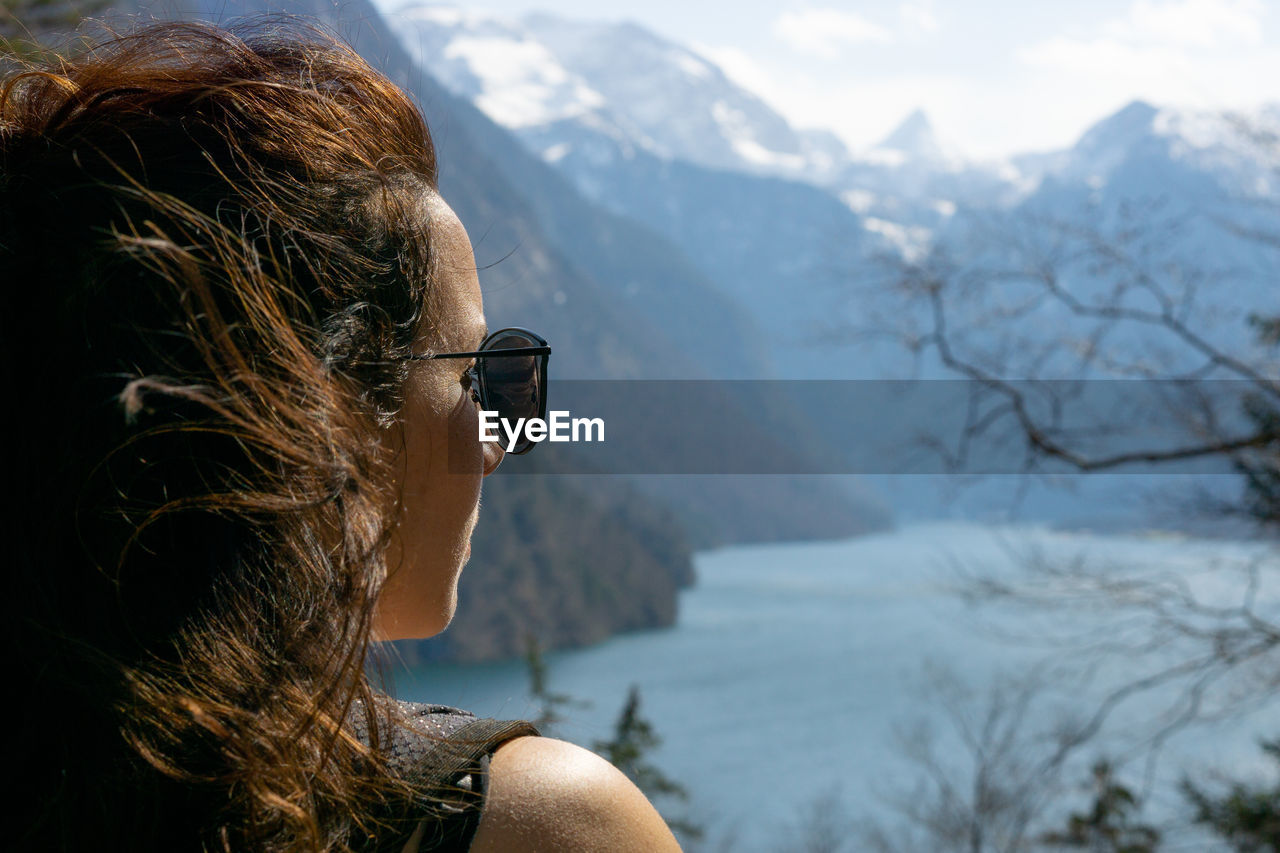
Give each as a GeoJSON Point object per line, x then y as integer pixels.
{"type": "Point", "coordinates": [1155, 36]}
{"type": "Point", "coordinates": [991, 101]}
{"type": "Point", "coordinates": [823, 32]}
{"type": "Point", "coordinates": [1183, 52]}
{"type": "Point", "coordinates": [861, 112]}
{"type": "Point", "coordinates": [1193, 23]}
{"type": "Point", "coordinates": [919, 16]}
{"type": "Point", "coordinates": [1104, 57]}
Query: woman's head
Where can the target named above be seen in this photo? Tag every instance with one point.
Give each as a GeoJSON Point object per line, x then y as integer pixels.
{"type": "Point", "coordinates": [220, 250]}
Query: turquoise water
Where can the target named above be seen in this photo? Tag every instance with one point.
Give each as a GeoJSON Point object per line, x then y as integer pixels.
{"type": "Point", "coordinates": [792, 666]}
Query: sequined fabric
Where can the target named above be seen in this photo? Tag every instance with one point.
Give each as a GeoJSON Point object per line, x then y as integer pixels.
{"type": "Point", "coordinates": [415, 732]}
{"type": "Point", "coordinates": [446, 751]}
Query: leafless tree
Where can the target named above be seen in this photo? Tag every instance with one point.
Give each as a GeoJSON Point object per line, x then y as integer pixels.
{"type": "Point", "coordinates": [987, 766]}
{"type": "Point", "coordinates": [1035, 310]}
{"type": "Point", "coordinates": [1217, 635]}
{"type": "Point", "coordinates": [1049, 306]}
{"type": "Point", "coordinates": [826, 825]}
{"type": "Point", "coordinates": [1198, 643]}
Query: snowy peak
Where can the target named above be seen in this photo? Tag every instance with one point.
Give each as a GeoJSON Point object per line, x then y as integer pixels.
{"type": "Point", "coordinates": [1242, 146]}
{"type": "Point", "coordinates": [616, 79]}
{"type": "Point", "coordinates": [914, 143]}
{"type": "Point", "coordinates": [914, 137]}
{"type": "Point", "coordinates": [1238, 151]}
{"type": "Point", "coordinates": [1111, 141]}
{"type": "Point", "coordinates": [494, 63]}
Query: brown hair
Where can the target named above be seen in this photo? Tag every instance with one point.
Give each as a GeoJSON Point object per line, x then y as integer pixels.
{"type": "Point", "coordinates": [214, 262]}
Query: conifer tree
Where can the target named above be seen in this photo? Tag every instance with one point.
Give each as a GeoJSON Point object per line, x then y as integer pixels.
{"type": "Point", "coordinates": [1247, 817]}
{"type": "Point", "coordinates": [629, 749]}
{"type": "Point", "coordinates": [551, 705]}
{"type": "Point", "coordinates": [1110, 825]}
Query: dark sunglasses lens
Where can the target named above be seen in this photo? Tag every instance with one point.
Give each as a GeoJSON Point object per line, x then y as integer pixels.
{"type": "Point", "coordinates": [513, 384]}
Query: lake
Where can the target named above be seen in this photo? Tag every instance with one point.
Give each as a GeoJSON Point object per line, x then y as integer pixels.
{"type": "Point", "coordinates": [797, 671]}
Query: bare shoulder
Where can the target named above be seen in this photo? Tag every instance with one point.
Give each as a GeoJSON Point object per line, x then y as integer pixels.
{"type": "Point", "coordinates": [549, 795]}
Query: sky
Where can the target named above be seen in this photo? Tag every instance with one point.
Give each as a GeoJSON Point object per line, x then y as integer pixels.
{"type": "Point", "coordinates": [994, 76]}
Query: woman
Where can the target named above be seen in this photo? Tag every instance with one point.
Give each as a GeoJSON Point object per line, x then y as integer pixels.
{"type": "Point", "coordinates": [229, 285]}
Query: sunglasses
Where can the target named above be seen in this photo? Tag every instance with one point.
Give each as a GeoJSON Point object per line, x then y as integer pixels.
{"type": "Point", "coordinates": [509, 377]}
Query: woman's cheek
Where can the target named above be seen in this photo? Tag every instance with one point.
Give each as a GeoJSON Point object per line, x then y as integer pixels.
{"type": "Point", "coordinates": [465, 452]}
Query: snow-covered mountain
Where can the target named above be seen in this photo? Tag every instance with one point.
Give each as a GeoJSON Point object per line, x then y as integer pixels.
{"type": "Point", "coordinates": [614, 79]}
{"type": "Point", "coordinates": [582, 94]}
{"type": "Point", "coordinates": [909, 185]}
{"type": "Point", "coordinates": [1156, 217]}
{"type": "Point", "coordinates": [653, 131]}
{"type": "Point", "coordinates": [1145, 149]}
{"type": "Point", "coordinates": [593, 97]}
{"type": "Point", "coordinates": [913, 140]}
{"type": "Point", "coordinates": [609, 84]}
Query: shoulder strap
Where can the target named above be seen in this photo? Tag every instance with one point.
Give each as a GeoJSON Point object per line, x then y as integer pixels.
{"type": "Point", "coordinates": [453, 774]}
{"type": "Point", "coordinates": [444, 753]}
{"type": "Point", "coordinates": [457, 756]}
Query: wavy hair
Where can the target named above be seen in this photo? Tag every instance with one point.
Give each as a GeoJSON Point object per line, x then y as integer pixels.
{"type": "Point", "coordinates": [214, 259]}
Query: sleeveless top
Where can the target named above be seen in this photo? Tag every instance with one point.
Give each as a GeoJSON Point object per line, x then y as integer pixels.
{"type": "Point", "coordinates": [447, 751]}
